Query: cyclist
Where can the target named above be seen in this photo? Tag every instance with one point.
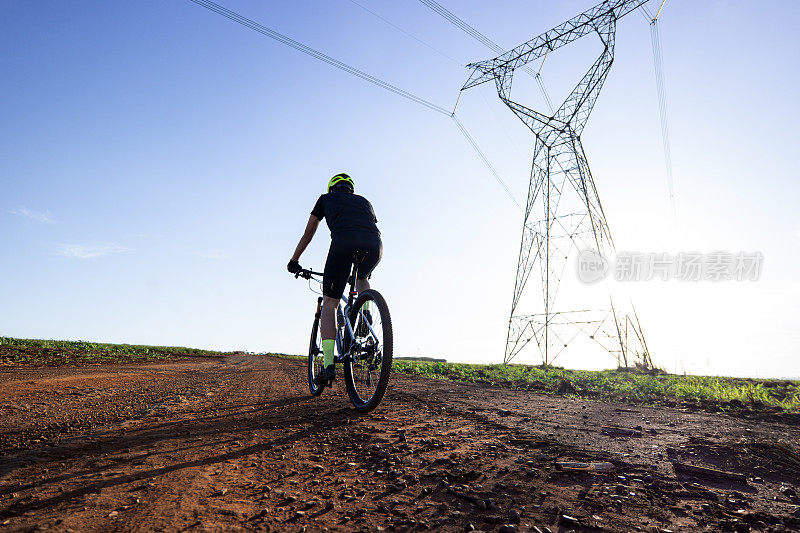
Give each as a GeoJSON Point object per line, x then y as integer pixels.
{"type": "Point", "coordinates": [353, 227]}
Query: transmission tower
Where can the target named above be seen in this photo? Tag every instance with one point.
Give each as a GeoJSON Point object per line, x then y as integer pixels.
{"type": "Point", "coordinates": [563, 213]}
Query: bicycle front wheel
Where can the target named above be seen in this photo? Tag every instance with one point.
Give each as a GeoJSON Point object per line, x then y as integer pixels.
{"type": "Point", "coordinates": [315, 357]}
{"type": "Point", "coordinates": [369, 366]}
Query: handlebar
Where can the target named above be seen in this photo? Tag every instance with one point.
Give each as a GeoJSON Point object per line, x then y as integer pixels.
{"type": "Point", "coordinates": [306, 274]}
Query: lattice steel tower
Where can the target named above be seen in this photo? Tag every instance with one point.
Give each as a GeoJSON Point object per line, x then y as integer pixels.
{"type": "Point", "coordinates": [563, 214]}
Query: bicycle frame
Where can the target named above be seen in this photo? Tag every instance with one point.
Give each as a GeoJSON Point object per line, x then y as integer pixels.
{"type": "Point", "coordinates": [344, 313]}
{"type": "Point", "coordinates": [342, 354]}
{"type": "Point", "coordinates": [352, 294]}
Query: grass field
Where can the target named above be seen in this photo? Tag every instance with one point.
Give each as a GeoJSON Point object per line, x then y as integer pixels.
{"type": "Point", "coordinates": [53, 353]}
{"type": "Point", "coordinates": [783, 395]}
{"type": "Point", "coordinates": [621, 385]}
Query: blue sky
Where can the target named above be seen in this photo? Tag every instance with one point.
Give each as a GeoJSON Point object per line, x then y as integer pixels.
{"type": "Point", "coordinates": [158, 163]}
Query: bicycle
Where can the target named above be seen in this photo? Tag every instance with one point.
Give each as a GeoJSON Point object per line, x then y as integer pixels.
{"type": "Point", "coordinates": [363, 343]}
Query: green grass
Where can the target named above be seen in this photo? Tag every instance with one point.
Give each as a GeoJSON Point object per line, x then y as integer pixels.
{"type": "Point", "coordinates": [631, 386]}
{"type": "Point", "coordinates": [621, 385]}
{"type": "Point", "coordinates": [37, 352]}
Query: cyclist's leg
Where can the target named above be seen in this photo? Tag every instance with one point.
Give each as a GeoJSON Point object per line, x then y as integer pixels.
{"type": "Point", "coordinates": [328, 318]}
{"type": "Point", "coordinates": [334, 279]}
{"type": "Point", "coordinates": [374, 249]}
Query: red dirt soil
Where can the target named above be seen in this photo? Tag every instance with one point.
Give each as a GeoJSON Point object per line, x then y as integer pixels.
{"type": "Point", "coordinates": [237, 443]}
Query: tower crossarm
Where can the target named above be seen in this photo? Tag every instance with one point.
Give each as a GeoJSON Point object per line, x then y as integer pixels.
{"type": "Point", "coordinates": [595, 19]}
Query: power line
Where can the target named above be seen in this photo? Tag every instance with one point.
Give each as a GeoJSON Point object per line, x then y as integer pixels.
{"type": "Point", "coordinates": [661, 90]}
{"type": "Point", "coordinates": [544, 92]}
{"type": "Point", "coordinates": [398, 28]}
{"type": "Point", "coordinates": [448, 15]}
{"type": "Point", "coordinates": [283, 39]}
{"type": "Point", "coordinates": [658, 65]}
{"type": "Point", "coordinates": [244, 21]}
{"type": "Point", "coordinates": [478, 36]}
{"type": "Point", "coordinates": [485, 160]}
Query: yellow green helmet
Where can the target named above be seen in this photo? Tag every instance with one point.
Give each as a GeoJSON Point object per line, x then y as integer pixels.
{"type": "Point", "coordinates": [341, 179]}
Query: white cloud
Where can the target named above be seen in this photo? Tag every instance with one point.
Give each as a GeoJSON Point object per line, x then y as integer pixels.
{"type": "Point", "coordinates": [82, 251]}
{"type": "Point", "coordinates": [38, 216]}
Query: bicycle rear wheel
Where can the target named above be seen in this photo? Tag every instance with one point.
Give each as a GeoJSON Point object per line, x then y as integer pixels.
{"type": "Point", "coordinates": [315, 357]}
{"type": "Point", "coordinates": [369, 366]}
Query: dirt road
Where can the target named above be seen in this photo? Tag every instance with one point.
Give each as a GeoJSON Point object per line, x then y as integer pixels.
{"type": "Point", "coordinates": [236, 443]}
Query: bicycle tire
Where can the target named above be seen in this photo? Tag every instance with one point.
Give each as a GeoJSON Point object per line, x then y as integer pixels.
{"type": "Point", "coordinates": [358, 402]}
{"type": "Point", "coordinates": [314, 352]}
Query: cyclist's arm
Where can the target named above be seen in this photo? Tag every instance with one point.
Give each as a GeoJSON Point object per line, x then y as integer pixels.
{"type": "Point", "coordinates": [308, 234]}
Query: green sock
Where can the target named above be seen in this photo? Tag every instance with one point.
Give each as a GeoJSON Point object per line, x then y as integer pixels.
{"type": "Point", "coordinates": [327, 351]}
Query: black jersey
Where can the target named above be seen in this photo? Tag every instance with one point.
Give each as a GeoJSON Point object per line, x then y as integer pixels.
{"type": "Point", "coordinates": [346, 213]}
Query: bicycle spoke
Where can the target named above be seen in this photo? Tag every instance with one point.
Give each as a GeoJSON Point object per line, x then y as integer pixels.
{"type": "Point", "coordinates": [367, 358]}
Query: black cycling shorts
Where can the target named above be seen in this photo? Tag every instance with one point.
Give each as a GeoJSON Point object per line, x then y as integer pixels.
{"type": "Point", "coordinates": [340, 261]}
